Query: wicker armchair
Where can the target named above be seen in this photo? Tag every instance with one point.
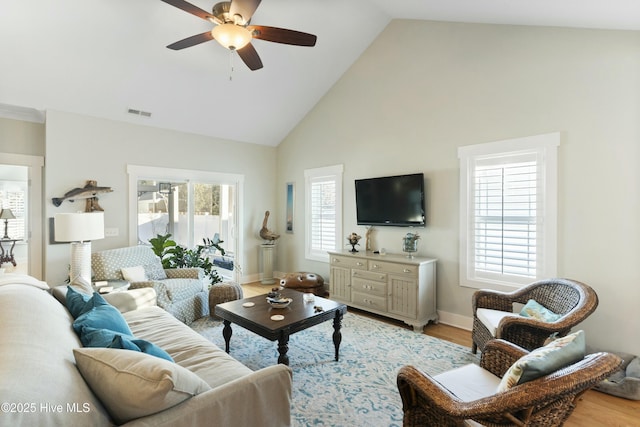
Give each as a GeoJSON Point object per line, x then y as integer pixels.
{"type": "Point", "coordinates": [574, 300]}
{"type": "Point", "coordinates": [546, 401]}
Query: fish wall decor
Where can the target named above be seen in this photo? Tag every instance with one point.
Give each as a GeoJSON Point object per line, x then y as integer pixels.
{"type": "Point", "coordinates": [88, 192]}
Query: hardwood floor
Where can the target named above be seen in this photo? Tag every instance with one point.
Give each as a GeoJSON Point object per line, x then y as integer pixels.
{"type": "Point", "coordinates": [593, 409]}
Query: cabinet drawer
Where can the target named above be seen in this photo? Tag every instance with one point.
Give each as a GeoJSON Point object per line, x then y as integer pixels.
{"type": "Point", "coordinates": [372, 302]}
{"type": "Point", "coordinates": [369, 275]}
{"type": "Point", "coordinates": [348, 262]}
{"type": "Point", "coordinates": [391, 267]}
{"type": "Point", "coordinates": [369, 287]}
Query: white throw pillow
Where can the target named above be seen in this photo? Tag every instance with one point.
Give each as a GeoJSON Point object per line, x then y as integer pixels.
{"type": "Point", "coordinates": [134, 274]}
{"type": "Point", "coordinates": [132, 385]}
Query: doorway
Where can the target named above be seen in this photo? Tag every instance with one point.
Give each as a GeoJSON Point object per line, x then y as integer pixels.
{"type": "Point", "coordinates": [21, 194]}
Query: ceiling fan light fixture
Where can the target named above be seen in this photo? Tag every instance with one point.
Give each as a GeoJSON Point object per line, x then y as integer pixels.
{"type": "Point", "coordinates": [231, 36]}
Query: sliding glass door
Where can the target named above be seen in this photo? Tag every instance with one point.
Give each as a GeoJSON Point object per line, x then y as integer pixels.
{"type": "Point", "coordinates": [200, 207]}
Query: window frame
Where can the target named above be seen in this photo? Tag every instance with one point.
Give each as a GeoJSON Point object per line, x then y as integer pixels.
{"type": "Point", "coordinates": [544, 148]}
{"type": "Point", "coordinates": [334, 173]}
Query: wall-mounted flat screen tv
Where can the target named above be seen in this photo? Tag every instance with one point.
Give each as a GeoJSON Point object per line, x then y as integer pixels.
{"type": "Point", "coordinates": [391, 200]}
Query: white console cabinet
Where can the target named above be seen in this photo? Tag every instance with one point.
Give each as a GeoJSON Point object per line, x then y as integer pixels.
{"type": "Point", "coordinates": [391, 285]}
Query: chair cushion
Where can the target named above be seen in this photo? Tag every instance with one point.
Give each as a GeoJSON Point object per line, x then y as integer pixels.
{"type": "Point", "coordinates": [491, 318]}
{"type": "Point", "coordinates": [469, 382]}
{"type": "Point", "coordinates": [545, 360]}
{"type": "Point", "coordinates": [537, 311]}
{"type": "Point", "coordinates": [132, 385]}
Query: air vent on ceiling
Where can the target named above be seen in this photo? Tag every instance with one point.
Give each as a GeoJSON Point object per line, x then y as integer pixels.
{"type": "Point", "coordinates": [138, 112]}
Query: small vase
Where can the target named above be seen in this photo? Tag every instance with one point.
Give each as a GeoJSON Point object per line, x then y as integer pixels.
{"type": "Point", "coordinates": [409, 245]}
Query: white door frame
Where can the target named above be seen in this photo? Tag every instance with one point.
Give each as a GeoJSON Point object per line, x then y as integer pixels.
{"type": "Point", "coordinates": [35, 218]}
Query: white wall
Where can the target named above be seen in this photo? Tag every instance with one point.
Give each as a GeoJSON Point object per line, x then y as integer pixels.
{"type": "Point", "coordinates": [80, 148]}
{"type": "Point", "coordinates": [423, 89]}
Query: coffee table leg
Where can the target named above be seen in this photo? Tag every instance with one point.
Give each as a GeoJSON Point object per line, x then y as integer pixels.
{"type": "Point", "coordinates": [337, 335]}
{"type": "Point", "coordinates": [226, 333]}
{"type": "Point", "coordinates": [283, 348]}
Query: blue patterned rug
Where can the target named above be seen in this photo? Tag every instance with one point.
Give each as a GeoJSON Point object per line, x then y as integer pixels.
{"type": "Point", "coordinates": [358, 390]}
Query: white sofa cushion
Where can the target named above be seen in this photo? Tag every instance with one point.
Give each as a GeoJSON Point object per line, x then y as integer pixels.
{"type": "Point", "coordinates": [188, 349]}
{"type": "Point", "coordinates": [132, 385]}
{"type": "Point", "coordinates": [491, 318]}
{"type": "Point", "coordinates": [469, 382]}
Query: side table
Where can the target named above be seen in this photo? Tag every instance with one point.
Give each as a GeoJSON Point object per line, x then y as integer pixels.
{"type": "Point", "coordinates": [115, 285]}
{"type": "Point", "coordinates": [6, 251]}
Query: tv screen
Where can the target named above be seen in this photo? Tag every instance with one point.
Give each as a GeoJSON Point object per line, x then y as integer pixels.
{"type": "Point", "coordinates": [391, 200]}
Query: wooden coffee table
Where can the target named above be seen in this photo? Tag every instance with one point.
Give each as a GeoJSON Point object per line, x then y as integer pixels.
{"type": "Point", "coordinates": [298, 316]}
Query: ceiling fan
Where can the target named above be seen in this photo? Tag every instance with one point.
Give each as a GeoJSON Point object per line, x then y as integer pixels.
{"type": "Point", "coordinates": [232, 30]}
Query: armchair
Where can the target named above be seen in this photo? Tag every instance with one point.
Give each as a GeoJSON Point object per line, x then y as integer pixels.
{"type": "Point", "coordinates": [545, 401]}
{"type": "Point", "coordinates": [179, 291]}
{"type": "Point", "coordinates": [493, 315]}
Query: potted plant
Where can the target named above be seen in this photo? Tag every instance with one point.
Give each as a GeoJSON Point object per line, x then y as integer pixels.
{"type": "Point", "coordinates": [173, 255]}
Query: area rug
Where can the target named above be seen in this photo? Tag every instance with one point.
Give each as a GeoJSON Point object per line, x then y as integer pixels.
{"type": "Point", "coordinates": [358, 390]}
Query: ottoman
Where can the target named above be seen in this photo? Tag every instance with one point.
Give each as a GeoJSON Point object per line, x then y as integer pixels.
{"type": "Point", "coordinates": [304, 282]}
{"type": "Point", "coordinates": [223, 292]}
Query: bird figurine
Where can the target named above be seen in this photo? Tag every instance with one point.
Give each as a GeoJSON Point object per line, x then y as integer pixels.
{"type": "Point", "coordinates": [265, 233]}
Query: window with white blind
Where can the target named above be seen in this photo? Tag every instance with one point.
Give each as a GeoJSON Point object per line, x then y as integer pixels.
{"type": "Point", "coordinates": [323, 200]}
{"type": "Point", "coordinates": [508, 211]}
{"type": "Point", "coordinates": [13, 195]}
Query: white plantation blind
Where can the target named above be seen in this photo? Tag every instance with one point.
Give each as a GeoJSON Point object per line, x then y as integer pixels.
{"type": "Point", "coordinates": [505, 198]}
{"type": "Point", "coordinates": [323, 214]}
{"type": "Point", "coordinates": [13, 195]}
{"type": "Point", "coordinates": [323, 195]}
{"type": "Point", "coordinates": [508, 211]}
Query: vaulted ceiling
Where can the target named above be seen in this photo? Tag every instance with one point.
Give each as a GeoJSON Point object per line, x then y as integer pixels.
{"type": "Point", "coordinates": [104, 57]}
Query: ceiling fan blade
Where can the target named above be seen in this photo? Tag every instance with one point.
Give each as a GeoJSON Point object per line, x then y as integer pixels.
{"type": "Point", "coordinates": [250, 56]}
{"type": "Point", "coordinates": [244, 8]}
{"type": "Point", "coordinates": [191, 41]}
{"type": "Point", "coordinates": [282, 35]}
{"type": "Point", "coordinates": [189, 8]}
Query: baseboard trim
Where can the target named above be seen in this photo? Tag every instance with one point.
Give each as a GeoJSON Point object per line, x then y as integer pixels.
{"type": "Point", "coordinates": [457, 320]}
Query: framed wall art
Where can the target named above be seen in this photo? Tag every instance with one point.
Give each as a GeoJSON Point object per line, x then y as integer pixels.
{"type": "Point", "coordinates": [291, 193]}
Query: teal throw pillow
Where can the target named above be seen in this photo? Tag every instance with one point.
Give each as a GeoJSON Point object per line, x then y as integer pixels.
{"type": "Point", "coordinates": [537, 311]}
{"type": "Point", "coordinates": [545, 360]}
{"type": "Point", "coordinates": [92, 337]}
{"type": "Point", "coordinates": [135, 344]}
{"type": "Point", "coordinates": [102, 316]}
{"type": "Point", "coordinates": [78, 302]}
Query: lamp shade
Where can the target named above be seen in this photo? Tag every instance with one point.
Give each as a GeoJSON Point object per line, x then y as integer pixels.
{"type": "Point", "coordinates": [231, 36]}
{"type": "Point", "coordinates": [79, 227]}
{"type": "Point", "coordinates": [7, 214]}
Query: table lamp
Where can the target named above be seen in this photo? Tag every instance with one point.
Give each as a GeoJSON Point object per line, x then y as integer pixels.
{"type": "Point", "coordinates": [6, 214]}
{"type": "Point", "coordinates": [79, 229]}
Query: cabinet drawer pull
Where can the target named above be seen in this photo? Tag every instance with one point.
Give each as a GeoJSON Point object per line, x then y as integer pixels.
{"type": "Point", "coordinates": [359, 264]}
{"type": "Point", "coordinates": [336, 260]}
{"type": "Point", "coordinates": [381, 277]}
{"type": "Point", "coordinates": [406, 270]}
{"type": "Point", "coordinates": [375, 266]}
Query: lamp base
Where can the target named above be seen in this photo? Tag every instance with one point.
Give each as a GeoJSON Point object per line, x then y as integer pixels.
{"type": "Point", "coordinates": [80, 262]}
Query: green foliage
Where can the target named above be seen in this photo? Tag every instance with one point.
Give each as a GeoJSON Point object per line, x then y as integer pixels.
{"type": "Point", "coordinates": [177, 256]}
{"type": "Point", "coordinates": [164, 247]}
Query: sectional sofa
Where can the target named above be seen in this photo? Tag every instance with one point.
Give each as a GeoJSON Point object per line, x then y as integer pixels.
{"type": "Point", "coordinates": [47, 377]}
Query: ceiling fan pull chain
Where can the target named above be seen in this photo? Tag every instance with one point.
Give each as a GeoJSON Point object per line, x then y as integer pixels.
{"type": "Point", "coordinates": [231, 68]}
